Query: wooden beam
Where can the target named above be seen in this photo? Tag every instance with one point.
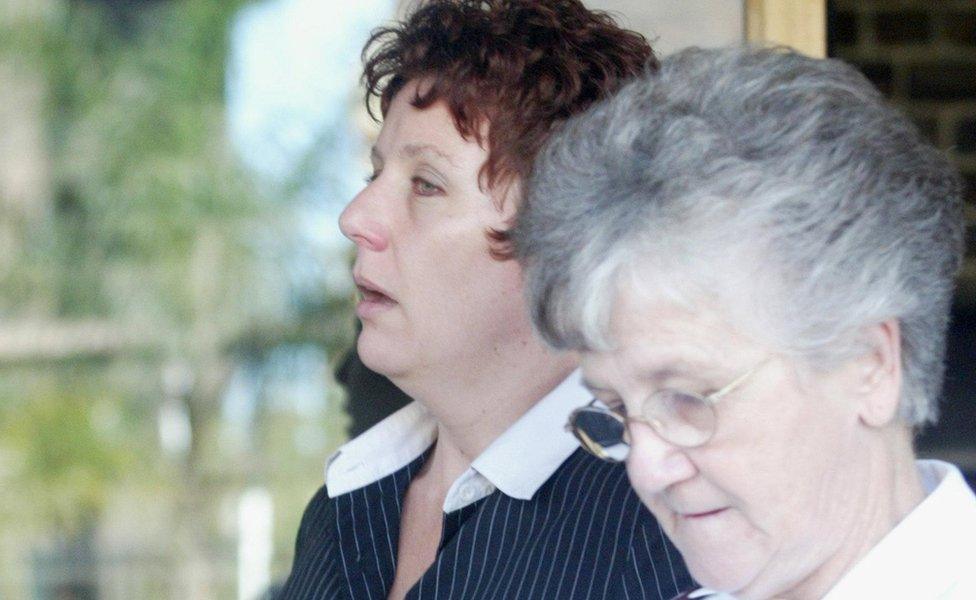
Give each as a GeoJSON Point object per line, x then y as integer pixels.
{"type": "Point", "coordinates": [800, 24]}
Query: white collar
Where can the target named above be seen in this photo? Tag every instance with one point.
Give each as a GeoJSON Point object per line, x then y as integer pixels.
{"type": "Point", "coordinates": [707, 594]}
{"type": "Point", "coordinates": [518, 462]}
{"type": "Point", "coordinates": [929, 552]}
{"type": "Point", "coordinates": [381, 450]}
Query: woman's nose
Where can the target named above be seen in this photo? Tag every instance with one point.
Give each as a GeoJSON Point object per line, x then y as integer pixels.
{"type": "Point", "coordinates": [654, 463]}
{"type": "Point", "coordinates": [361, 222]}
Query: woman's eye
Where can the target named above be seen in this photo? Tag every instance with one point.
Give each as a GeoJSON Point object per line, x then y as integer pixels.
{"type": "Point", "coordinates": [372, 177]}
{"type": "Point", "coordinates": [422, 187]}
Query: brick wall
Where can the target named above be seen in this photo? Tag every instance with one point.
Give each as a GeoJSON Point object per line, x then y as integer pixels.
{"type": "Point", "coordinates": [922, 55]}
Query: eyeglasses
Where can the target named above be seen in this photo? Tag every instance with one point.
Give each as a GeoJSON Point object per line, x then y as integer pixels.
{"type": "Point", "coordinates": [681, 418]}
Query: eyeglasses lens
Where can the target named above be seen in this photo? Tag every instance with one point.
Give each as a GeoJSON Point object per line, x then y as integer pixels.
{"type": "Point", "coordinates": [681, 418]}
{"type": "Point", "coordinates": [601, 434]}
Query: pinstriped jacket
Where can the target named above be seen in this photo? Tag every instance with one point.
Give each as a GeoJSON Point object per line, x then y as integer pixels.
{"type": "Point", "coordinates": [535, 517]}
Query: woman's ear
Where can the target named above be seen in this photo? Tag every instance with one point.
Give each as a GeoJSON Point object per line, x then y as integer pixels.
{"type": "Point", "coordinates": [877, 374]}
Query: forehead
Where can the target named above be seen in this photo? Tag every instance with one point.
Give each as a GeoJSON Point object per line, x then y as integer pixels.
{"type": "Point", "coordinates": [654, 339]}
{"type": "Point", "coordinates": [409, 133]}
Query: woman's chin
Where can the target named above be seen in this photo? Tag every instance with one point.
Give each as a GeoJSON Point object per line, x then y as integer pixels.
{"type": "Point", "coordinates": [380, 355]}
{"type": "Point", "coordinates": [721, 576]}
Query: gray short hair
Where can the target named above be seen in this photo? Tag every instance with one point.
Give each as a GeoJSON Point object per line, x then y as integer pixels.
{"type": "Point", "coordinates": [767, 178]}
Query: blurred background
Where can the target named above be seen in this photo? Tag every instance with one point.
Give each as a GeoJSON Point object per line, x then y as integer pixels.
{"type": "Point", "coordinates": [174, 292]}
{"type": "Point", "coordinates": [173, 288]}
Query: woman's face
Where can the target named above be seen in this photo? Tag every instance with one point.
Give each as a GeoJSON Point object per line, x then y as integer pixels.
{"type": "Point", "coordinates": [434, 300]}
{"type": "Point", "coordinates": [765, 505]}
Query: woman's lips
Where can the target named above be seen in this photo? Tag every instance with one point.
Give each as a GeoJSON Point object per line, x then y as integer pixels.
{"type": "Point", "coordinates": [372, 302]}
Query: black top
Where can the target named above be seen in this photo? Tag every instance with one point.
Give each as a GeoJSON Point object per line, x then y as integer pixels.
{"type": "Point", "coordinates": [584, 534]}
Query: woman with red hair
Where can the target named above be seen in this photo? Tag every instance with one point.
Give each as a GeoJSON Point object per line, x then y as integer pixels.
{"type": "Point", "coordinates": [474, 490]}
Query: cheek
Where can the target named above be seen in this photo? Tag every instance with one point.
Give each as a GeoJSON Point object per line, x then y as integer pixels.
{"type": "Point", "coordinates": [457, 282]}
{"type": "Point", "coordinates": [468, 281]}
{"type": "Point", "coordinates": [450, 253]}
{"type": "Point", "coordinates": [784, 475]}
{"type": "Point", "coordinates": [762, 477]}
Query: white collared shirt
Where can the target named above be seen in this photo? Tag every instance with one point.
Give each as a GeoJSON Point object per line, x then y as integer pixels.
{"type": "Point", "coordinates": [929, 555]}
{"type": "Point", "coordinates": [517, 463]}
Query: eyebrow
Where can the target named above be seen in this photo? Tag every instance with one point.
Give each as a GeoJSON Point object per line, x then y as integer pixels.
{"type": "Point", "coordinates": [415, 150]}
{"type": "Point", "coordinates": [649, 376]}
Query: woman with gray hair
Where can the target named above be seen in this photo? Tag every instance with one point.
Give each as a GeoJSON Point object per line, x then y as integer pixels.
{"type": "Point", "coordinates": [761, 302]}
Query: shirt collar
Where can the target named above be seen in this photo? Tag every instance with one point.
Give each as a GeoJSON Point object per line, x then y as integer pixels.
{"type": "Point", "coordinates": [707, 594]}
{"type": "Point", "coordinates": [382, 450]}
{"type": "Point", "coordinates": [518, 462]}
{"type": "Point", "coordinates": [523, 458]}
{"type": "Point", "coordinates": [928, 552]}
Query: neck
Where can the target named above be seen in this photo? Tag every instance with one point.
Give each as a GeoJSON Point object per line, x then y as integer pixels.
{"type": "Point", "coordinates": [474, 404]}
{"type": "Point", "coordinates": [895, 490]}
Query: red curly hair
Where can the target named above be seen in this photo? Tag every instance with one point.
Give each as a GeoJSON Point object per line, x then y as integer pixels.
{"type": "Point", "coordinates": [520, 67]}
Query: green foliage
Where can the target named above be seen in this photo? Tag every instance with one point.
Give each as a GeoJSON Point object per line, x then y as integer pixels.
{"type": "Point", "coordinates": [141, 159]}
{"type": "Point", "coordinates": [69, 450]}
{"type": "Point", "coordinates": [153, 225]}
